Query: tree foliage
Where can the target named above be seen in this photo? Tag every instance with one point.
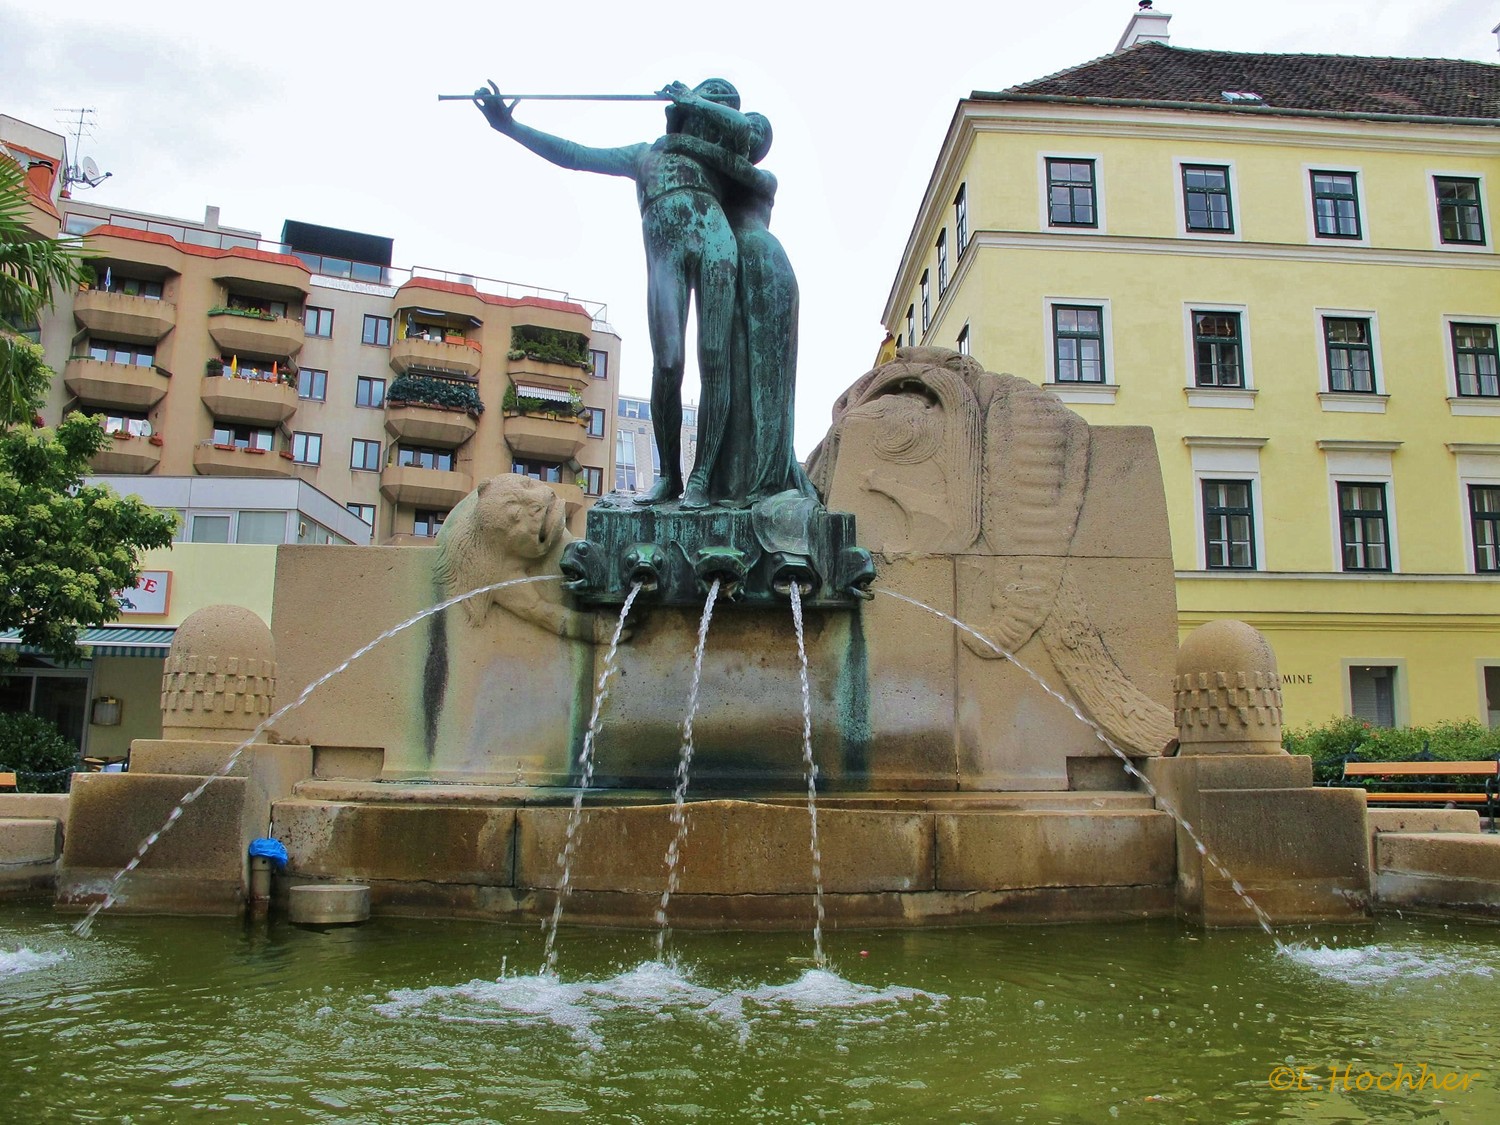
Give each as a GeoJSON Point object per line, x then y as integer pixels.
{"type": "Point", "coordinates": [37, 752]}
{"type": "Point", "coordinates": [31, 270]}
{"type": "Point", "coordinates": [1328, 744]}
{"type": "Point", "coordinates": [66, 550]}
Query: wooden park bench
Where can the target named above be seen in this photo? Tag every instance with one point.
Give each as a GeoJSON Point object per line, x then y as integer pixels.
{"type": "Point", "coordinates": [1432, 783]}
{"type": "Point", "coordinates": [7, 782]}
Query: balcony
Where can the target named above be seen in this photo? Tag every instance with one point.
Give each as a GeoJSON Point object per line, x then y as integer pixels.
{"type": "Point", "coordinates": [211, 460]}
{"type": "Point", "coordinates": [547, 436]}
{"type": "Point", "coordinates": [120, 316]}
{"type": "Point", "coordinates": [571, 495]}
{"type": "Point", "coordinates": [455, 353]}
{"type": "Point", "coordinates": [126, 386]}
{"type": "Point", "coordinates": [424, 488]}
{"type": "Point", "coordinates": [443, 427]}
{"type": "Point", "coordinates": [243, 332]}
{"type": "Point", "coordinates": [127, 453]}
{"type": "Point", "coordinates": [556, 376]}
{"type": "Point", "coordinates": [265, 402]}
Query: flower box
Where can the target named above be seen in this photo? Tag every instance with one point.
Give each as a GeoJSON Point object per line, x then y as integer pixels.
{"type": "Point", "coordinates": [156, 439]}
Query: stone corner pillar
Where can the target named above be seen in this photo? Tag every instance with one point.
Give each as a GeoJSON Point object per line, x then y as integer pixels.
{"type": "Point", "coordinates": [1227, 692]}
{"type": "Point", "coordinates": [219, 682]}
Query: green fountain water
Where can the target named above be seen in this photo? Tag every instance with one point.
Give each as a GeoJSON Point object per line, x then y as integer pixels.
{"type": "Point", "coordinates": [187, 1020]}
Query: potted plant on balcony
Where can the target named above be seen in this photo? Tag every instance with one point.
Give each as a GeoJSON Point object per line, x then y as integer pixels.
{"type": "Point", "coordinates": [121, 435]}
{"type": "Point", "coordinates": [156, 439]}
{"type": "Point", "coordinates": [213, 368]}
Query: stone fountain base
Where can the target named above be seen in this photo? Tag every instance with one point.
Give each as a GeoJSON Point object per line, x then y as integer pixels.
{"type": "Point", "coordinates": [887, 859]}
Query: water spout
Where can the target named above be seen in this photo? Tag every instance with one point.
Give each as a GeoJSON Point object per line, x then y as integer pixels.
{"type": "Point", "coordinates": [684, 765]}
{"type": "Point", "coordinates": [86, 923]}
{"type": "Point", "coordinates": [819, 958]}
{"type": "Point", "coordinates": [585, 779]}
{"type": "Point", "coordinates": [1261, 917]}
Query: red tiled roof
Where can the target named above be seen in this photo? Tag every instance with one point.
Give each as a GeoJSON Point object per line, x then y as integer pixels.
{"type": "Point", "coordinates": [200, 251]}
{"type": "Point", "coordinates": [40, 190]}
{"type": "Point", "coordinates": [1329, 84]}
{"type": "Point", "coordinates": [460, 289]}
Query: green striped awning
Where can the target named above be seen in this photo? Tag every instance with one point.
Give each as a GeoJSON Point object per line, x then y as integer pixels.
{"type": "Point", "coordinates": [111, 640]}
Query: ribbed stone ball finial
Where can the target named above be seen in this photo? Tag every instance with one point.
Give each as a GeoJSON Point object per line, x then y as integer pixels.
{"type": "Point", "coordinates": [220, 677]}
{"type": "Point", "coordinates": [1228, 692]}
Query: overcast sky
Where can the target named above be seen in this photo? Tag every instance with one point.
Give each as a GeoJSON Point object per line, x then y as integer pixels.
{"type": "Point", "coordinates": [326, 112]}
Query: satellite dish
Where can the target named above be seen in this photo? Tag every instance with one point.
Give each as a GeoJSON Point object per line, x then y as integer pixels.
{"type": "Point", "coordinates": [90, 173]}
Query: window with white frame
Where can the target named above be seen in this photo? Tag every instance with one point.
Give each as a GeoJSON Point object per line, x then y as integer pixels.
{"type": "Point", "coordinates": [961, 218]}
{"type": "Point", "coordinates": [1364, 526]}
{"type": "Point", "coordinates": [963, 340]}
{"type": "Point", "coordinates": [1072, 189]}
{"type": "Point", "coordinates": [1228, 524]}
{"type": "Point", "coordinates": [942, 261]}
{"type": "Point", "coordinates": [1361, 497]}
{"type": "Point", "coordinates": [1335, 204]}
{"type": "Point", "coordinates": [1476, 360]}
{"type": "Point", "coordinates": [926, 288]}
{"type": "Point", "coordinates": [1460, 210]}
{"type": "Point", "coordinates": [1207, 204]}
{"type": "Point", "coordinates": [1484, 527]}
{"type": "Point", "coordinates": [1350, 354]}
{"type": "Point", "coordinates": [1218, 351]}
{"type": "Point", "coordinates": [1227, 502]}
{"type": "Point", "coordinates": [1078, 353]}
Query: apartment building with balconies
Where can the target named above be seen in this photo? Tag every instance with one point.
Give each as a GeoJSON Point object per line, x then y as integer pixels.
{"type": "Point", "coordinates": [207, 350]}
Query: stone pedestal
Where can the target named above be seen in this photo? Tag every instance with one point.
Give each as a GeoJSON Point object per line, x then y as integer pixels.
{"type": "Point", "coordinates": [1299, 852]}
{"type": "Point", "coordinates": [199, 866]}
{"type": "Point", "coordinates": [219, 684]}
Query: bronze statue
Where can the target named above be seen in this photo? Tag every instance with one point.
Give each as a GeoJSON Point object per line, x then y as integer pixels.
{"type": "Point", "coordinates": [704, 214]}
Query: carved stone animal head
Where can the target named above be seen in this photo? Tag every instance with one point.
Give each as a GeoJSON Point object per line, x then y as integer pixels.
{"type": "Point", "coordinates": [509, 527]}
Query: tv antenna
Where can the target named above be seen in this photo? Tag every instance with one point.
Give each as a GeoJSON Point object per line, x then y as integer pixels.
{"type": "Point", "coordinates": [82, 170]}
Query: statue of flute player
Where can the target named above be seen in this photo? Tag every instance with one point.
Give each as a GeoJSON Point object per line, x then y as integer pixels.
{"type": "Point", "coordinates": [690, 251]}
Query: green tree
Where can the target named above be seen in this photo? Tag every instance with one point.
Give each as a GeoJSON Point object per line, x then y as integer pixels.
{"type": "Point", "coordinates": [66, 549]}
{"type": "Point", "coordinates": [31, 270]}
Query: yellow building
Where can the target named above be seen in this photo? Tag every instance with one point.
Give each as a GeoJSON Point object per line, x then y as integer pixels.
{"type": "Point", "coordinates": [1286, 265]}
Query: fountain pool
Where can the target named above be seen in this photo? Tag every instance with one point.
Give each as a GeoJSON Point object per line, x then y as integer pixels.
{"type": "Point", "coordinates": [191, 1019]}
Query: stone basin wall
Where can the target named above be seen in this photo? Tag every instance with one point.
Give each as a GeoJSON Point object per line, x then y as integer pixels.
{"type": "Point", "coordinates": [979, 494]}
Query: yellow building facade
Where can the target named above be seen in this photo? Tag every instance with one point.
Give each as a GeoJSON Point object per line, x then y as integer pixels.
{"type": "Point", "coordinates": [1286, 266]}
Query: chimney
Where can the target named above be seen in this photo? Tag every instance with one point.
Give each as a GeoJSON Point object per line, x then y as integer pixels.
{"type": "Point", "coordinates": [39, 179]}
{"type": "Point", "coordinates": [211, 217]}
{"type": "Point", "coordinates": [1146, 26]}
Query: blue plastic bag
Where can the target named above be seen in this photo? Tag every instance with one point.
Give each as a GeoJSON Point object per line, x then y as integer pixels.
{"type": "Point", "coordinates": [271, 849]}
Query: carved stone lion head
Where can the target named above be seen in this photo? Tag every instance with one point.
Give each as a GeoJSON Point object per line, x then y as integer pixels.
{"type": "Point", "coordinates": [509, 527]}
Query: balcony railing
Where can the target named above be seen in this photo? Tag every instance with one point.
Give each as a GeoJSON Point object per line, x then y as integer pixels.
{"type": "Point", "coordinates": [120, 316]}
{"type": "Point", "coordinates": [439, 489]}
{"type": "Point", "coordinates": [225, 460]}
{"type": "Point", "coordinates": [457, 354]}
{"type": "Point", "coordinates": [550, 437]}
{"type": "Point", "coordinates": [414, 423]}
{"type": "Point", "coordinates": [254, 400]}
{"type": "Point", "coordinates": [127, 453]}
{"type": "Point", "coordinates": [127, 386]}
{"type": "Point", "coordinates": [240, 332]}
